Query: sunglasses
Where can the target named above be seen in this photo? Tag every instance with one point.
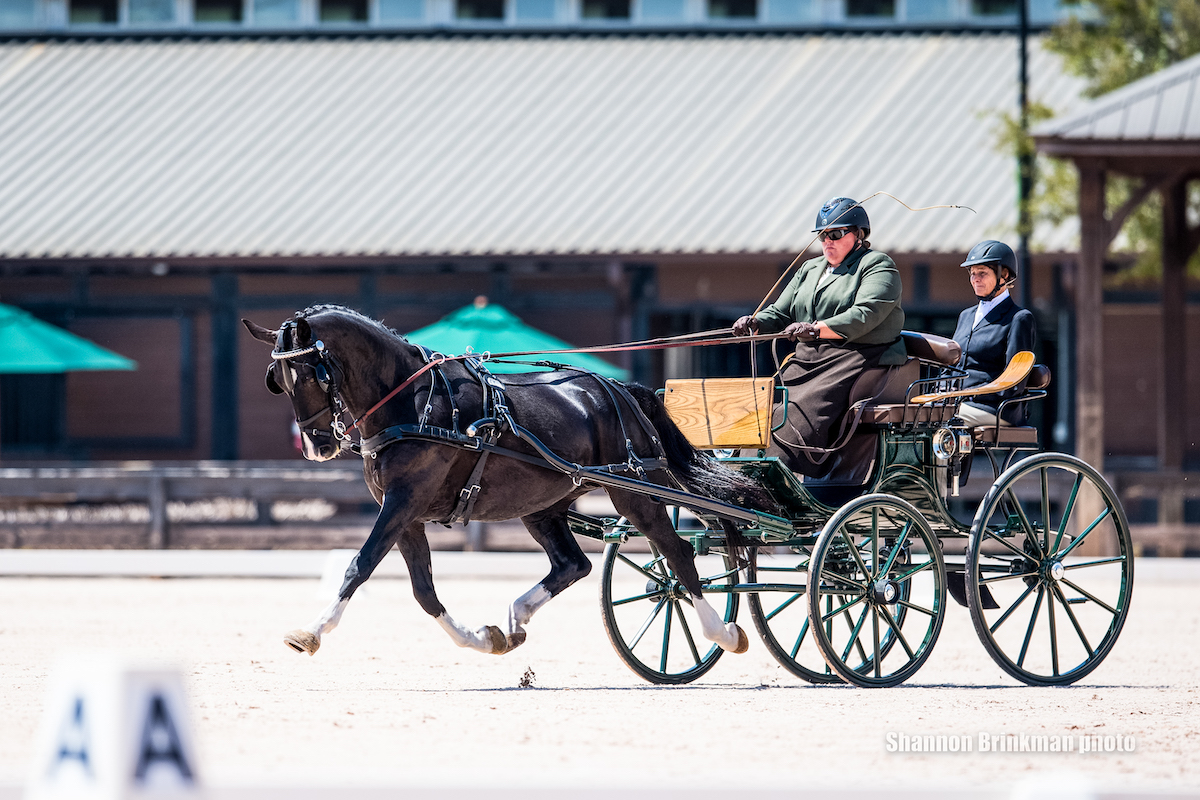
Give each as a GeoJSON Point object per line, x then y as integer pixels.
{"type": "Point", "coordinates": [834, 235]}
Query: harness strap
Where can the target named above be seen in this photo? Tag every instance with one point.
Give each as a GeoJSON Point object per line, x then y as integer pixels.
{"type": "Point", "coordinates": [373, 446]}
{"type": "Point", "coordinates": [469, 493]}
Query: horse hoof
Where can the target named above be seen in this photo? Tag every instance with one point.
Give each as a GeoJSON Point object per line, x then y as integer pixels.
{"type": "Point", "coordinates": [302, 642]}
{"type": "Point", "coordinates": [515, 640]}
{"type": "Point", "coordinates": [499, 640]}
{"type": "Point", "coordinates": [743, 643]}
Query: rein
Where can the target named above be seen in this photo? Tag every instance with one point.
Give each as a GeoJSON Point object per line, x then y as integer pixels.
{"type": "Point", "coordinates": [663, 343]}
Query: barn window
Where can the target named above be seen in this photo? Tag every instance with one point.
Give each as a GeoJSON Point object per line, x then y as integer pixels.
{"type": "Point", "coordinates": [732, 9]}
{"type": "Point", "coordinates": [993, 8]}
{"type": "Point", "coordinates": [217, 11]}
{"type": "Point", "coordinates": [859, 9]}
{"type": "Point", "coordinates": [31, 413]}
{"type": "Point", "coordinates": [93, 12]}
{"type": "Point", "coordinates": [480, 9]}
{"type": "Point", "coordinates": [343, 10]}
{"type": "Point", "coordinates": [605, 9]}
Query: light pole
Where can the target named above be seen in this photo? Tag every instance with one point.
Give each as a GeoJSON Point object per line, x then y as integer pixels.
{"type": "Point", "coordinates": [1024, 161]}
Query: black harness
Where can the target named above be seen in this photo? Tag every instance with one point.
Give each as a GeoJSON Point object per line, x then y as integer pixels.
{"type": "Point", "coordinates": [480, 435]}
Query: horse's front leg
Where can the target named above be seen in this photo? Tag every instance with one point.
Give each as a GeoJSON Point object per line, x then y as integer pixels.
{"type": "Point", "coordinates": [388, 526]}
{"type": "Point", "coordinates": [415, 549]}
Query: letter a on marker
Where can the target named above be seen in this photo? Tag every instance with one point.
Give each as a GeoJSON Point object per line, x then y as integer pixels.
{"type": "Point", "coordinates": [73, 741]}
{"type": "Point", "coordinates": [160, 743]}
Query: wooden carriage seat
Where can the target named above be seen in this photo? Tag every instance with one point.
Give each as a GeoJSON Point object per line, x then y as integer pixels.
{"type": "Point", "coordinates": [1038, 380]}
{"type": "Point", "coordinates": [888, 385]}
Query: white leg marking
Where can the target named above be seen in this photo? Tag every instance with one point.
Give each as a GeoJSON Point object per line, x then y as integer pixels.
{"type": "Point", "coordinates": [329, 618]}
{"type": "Point", "coordinates": [476, 640]}
{"type": "Point", "coordinates": [524, 607]}
{"type": "Point", "coordinates": [715, 629]}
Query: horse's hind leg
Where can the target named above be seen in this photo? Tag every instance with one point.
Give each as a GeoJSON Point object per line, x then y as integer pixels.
{"type": "Point", "coordinates": [415, 549]}
{"type": "Point", "coordinates": [568, 564]}
{"type": "Point", "coordinates": [651, 519]}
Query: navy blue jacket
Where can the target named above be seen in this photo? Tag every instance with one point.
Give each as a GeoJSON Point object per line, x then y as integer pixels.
{"type": "Point", "coordinates": [1005, 331]}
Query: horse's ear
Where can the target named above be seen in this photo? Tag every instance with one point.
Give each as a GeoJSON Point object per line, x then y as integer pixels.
{"type": "Point", "coordinates": [261, 333]}
{"type": "Point", "coordinates": [303, 333]}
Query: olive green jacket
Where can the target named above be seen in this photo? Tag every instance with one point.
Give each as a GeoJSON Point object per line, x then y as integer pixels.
{"type": "Point", "coordinates": [860, 301]}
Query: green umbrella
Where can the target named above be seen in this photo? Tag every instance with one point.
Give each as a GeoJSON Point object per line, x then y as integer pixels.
{"type": "Point", "coordinates": [29, 345]}
{"type": "Point", "coordinates": [491, 328]}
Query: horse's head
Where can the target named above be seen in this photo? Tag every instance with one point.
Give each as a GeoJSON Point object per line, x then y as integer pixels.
{"type": "Point", "coordinates": [303, 369]}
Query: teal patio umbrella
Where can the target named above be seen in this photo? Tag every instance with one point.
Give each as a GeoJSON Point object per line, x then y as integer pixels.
{"type": "Point", "coordinates": [482, 326]}
{"type": "Point", "coordinates": [28, 345]}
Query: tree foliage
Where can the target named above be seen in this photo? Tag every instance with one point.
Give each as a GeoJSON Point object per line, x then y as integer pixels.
{"type": "Point", "coordinates": [1120, 41]}
{"type": "Point", "coordinates": [1109, 44]}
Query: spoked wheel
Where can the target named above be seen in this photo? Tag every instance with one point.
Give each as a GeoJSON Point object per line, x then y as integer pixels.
{"type": "Point", "coordinates": [780, 613]}
{"type": "Point", "coordinates": [649, 615]}
{"type": "Point", "coordinates": [876, 591]}
{"type": "Point", "coordinates": [1049, 570]}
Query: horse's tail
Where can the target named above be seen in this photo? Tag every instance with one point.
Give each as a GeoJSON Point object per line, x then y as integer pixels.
{"type": "Point", "coordinates": [699, 472]}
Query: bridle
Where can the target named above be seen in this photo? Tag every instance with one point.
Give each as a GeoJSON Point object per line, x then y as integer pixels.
{"type": "Point", "coordinates": [279, 380]}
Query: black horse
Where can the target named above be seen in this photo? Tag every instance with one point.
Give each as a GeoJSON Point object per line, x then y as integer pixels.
{"type": "Point", "coordinates": [330, 359]}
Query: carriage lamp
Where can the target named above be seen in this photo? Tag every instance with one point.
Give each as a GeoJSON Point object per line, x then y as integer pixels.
{"type": "Point", "coordinates": [966, 442]}
{"type": "Point", "coordinates": [945, 444]}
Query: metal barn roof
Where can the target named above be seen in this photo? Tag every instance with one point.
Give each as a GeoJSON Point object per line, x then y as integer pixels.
{"type": "Point", "coordinates": [504, 146]}
{"type": "Point", "coordinates": [1161, 107]}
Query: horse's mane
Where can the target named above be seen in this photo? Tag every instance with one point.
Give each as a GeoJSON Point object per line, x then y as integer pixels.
{"type": "Point", "coordinates": [355, 316]}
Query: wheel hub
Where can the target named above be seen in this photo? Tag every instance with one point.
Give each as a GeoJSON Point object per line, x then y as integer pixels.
{"type": "Point", "coordinates": [1057, 571]}
{"type": "Point", "coordinates": [885, 592]}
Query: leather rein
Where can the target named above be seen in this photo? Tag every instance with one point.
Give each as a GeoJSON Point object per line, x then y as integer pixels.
{"type": "Point", "coordinates": [337, 407]}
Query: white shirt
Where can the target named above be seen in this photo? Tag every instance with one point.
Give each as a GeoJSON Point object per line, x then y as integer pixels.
{"type": "Point", "coordinates": [985, 306]}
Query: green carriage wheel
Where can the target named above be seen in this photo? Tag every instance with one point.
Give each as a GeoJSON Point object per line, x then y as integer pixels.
{"type": "Point", "coordinates": [781, 616]}
{"type": "Point", "coordinates": [648, 615]}
{"type": "Point", "coordinates": [877, 585]}
{"type": "Point", "coordinates": [1051, 546]}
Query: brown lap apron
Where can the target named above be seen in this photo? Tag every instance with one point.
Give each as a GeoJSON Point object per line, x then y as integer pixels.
{"type": "Point", "coordinates": [818, 378]}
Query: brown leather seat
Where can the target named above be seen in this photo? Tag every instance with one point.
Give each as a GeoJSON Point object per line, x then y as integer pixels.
{"type": "Point", "coordinates": [887, 400]}
{"type": "Point", "coordinates": [932, 348]}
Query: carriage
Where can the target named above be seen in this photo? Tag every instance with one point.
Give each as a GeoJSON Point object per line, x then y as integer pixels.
{"type": "Point", "coordinates": [851, 583]}
{"type": "Point", "coordinates": [846, 578]}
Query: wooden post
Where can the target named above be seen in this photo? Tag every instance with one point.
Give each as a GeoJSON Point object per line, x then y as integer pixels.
{"type": "Point", "coordinates": [476, 537]}
{"type": "Point", "coordinates": [158, 512]}
{"type": "Point", "coordinates": [1089, 316]}
{"type": "Point", "coordinates": [1173, 369]}
{"type": "Point", "coordinates": [1089, 339]}
{"type": "Point", "coordinates": [1172, 401]}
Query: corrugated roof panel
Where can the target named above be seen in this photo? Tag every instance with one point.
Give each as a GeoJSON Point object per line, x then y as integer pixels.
{"type": "Point", "coordinates": [1173, 110]}
{"type": "Point", "coordinates": [502, 146]}
{"type": "Point", "coordinates": [1149, 108]}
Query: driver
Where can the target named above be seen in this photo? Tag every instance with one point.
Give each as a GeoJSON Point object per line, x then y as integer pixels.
{"type": "Point", "coordinates": [843, 310]}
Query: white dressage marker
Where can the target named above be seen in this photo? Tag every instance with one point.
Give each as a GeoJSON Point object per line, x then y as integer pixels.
{"type": "Point", "coordinates": [113, 731]}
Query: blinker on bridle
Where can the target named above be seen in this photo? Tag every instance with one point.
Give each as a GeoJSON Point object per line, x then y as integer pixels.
{"type": "Point", "coordinates": [279, 380]}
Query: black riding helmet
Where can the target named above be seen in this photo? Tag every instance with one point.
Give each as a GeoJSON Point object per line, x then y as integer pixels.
{"type": "Point", "coordinates": [842, 212]}
{"type": "Point", "coordinates": [997, 255]}
{"type": "Point", "coordinates": [994, 254]}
